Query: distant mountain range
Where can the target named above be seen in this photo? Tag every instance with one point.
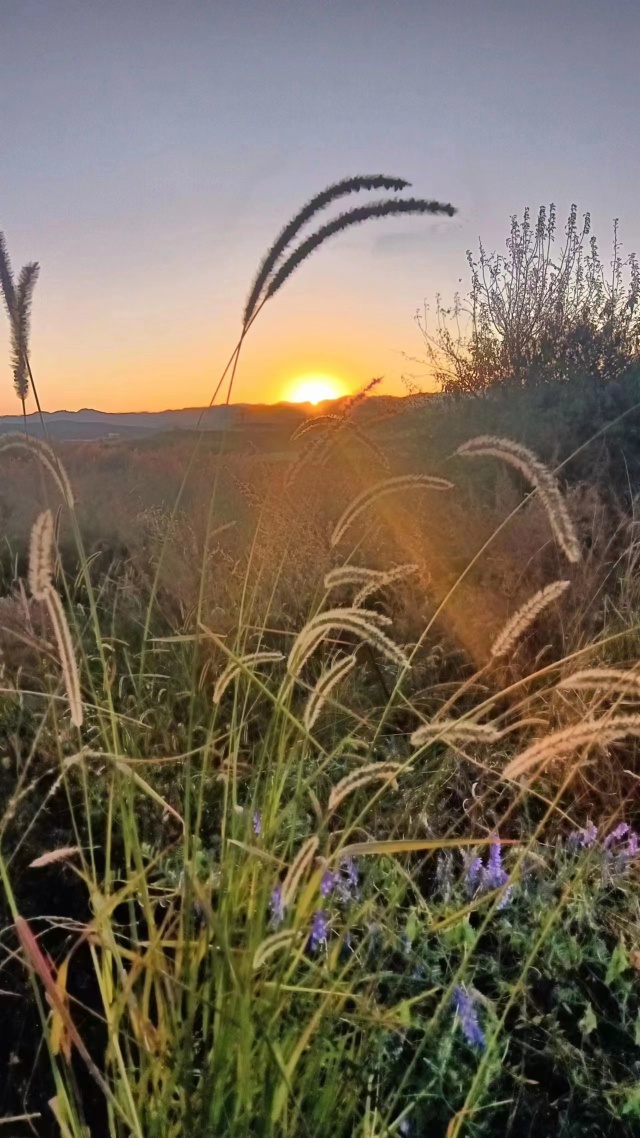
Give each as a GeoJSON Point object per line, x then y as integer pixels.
{"type": "Point", "coordinates": [88, 424]}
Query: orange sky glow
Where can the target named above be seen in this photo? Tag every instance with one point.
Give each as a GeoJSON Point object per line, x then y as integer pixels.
{"type": "Point", "coordinates": [155, 152]}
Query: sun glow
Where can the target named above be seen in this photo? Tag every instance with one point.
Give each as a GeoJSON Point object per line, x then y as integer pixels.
{"type": "Point", "coordinates": [315, 388]}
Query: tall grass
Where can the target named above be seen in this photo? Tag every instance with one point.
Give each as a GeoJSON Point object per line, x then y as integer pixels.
{"type": "Point", "coordinates": [309, 892]}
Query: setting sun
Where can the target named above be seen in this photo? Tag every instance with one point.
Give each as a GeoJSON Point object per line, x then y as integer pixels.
{"type": "Point", "coordinates": [315, 388]}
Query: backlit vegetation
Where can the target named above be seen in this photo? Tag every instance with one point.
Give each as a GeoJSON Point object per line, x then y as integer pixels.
{"type": "Point", "coordinates": [319, 769]}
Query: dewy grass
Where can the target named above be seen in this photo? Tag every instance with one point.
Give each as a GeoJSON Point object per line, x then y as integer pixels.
{"type": "Point", "coordinates": [274, 922]}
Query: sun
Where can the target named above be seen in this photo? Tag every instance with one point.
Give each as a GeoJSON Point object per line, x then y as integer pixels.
{"type": "Point", "coordinates": [315, 387]}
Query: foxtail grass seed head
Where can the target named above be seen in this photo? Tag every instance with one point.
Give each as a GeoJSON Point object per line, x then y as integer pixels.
{"type": "Point", "coordinates": [319, 202]}
{"type": "Point", "coordinates": [391, 207]}
{"type": "Point", "coordinates": [20, 328]}
{"type": "Point", "coordinates": [369, 497]}
{"type": "Point", "coordinates": [522, 620]}
{"type": "Point", "coordinates": [455, 731]}
{"type": "Point", "coordinates": [6, 279]}
{"type": "Point", "coordinates": [46, 456]}
{"type": "Point", "coordinates": [364, 776]}
{"type": "Point", "coordinates": [560, 744]}
{"type": "Point", "coordinates": [614, 681]}
{"type": "Point", "coordinates": [66, 654]}
{"type": "Point", "coordinates": [273, 944]}
{"type": "Point", "coordinates": [52, 857]}
{"type": "Point", "coordinates": [41, 555]}
{"type": "Point", "coordinates": [297, 869]}
{"type": "Point", "coordinates": [345, 575]}
{"type": "Point", "coordinates": [539, 476]}
{"type": "Point", "coordinates": [367, 626]}
{"type": "Point", "coordinates": [241, 665]}
{"type": "Point", "coordinates": [369, 580]}
{"type": "Point", "coordinates": [328, 681]}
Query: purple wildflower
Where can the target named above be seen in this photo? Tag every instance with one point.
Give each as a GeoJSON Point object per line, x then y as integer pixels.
{"type": "Point", "coordinates": [257, 823]}
{"type": "Point", "coordinates": [582, 839]}
{"type": "Point", "coordinates": [621, 856]}
{"type": "Point", "coordinates": [328, 883]}
{"type": "Point", "coordinates": [616, 835]}
{"type": "Point", "coordinates": [276, 905]}
{"type": "Point", "coordinates": [464, 1006]}
{"type": "Point", "coordinates": [494, 876]}
{"type": "Point", "coordinates": [473, 875]}
{"type": "Point", "coordinates": [319, 930]}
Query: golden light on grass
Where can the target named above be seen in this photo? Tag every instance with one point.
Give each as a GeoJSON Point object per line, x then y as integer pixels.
{"type": "Point", "coordinates": [315, 387]}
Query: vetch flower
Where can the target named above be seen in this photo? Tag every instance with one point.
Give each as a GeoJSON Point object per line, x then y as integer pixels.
{"type": "Point", "coordinates": [473, 875]}
{"type": "Point", "coordinates": [620, 831]}
{"type": "Point", "coordinates": [494, 876]}
{"type": "Point", "coordinates": [276, 905]}
{"type": "Point", "coordinates": [467, 1015]}
{"type": "Point", "coordinates": [583, 838]}
{"type": "Point", "coordinates": [481, 878]}
{"type": "Point", "coordinates": [319, 930]}
{"type": "Point", "coordinates": [257, 823]}
{"type": "Point", "coordinates": [328, 883]}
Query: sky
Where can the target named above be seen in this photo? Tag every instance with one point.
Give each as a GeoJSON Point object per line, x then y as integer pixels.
{"type": "Point", "coordinates": [151, 150]}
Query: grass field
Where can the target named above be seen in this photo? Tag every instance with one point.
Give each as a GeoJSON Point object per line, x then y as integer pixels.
{"type": "Point", "coordinates": [319, 774]}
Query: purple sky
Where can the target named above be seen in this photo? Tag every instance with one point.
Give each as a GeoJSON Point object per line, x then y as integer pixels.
{"type": "Point", "coordinates": [152, 149]}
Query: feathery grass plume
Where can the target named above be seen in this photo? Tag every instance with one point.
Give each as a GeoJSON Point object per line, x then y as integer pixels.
{"type": "Point", "coordinates": [40, 583]}
{"type": "Point", "coordinates": [41, 555]}
{"type": "Point", "coordinates": [373, 772]}
{"type": "Point", "coordinates": [66, 654]}
{"type": "Point", "coordinates": [365, 625]}
{"type": "Point", "coordinates": [314, 424]}
{"type": "Point", "coordinates": [243, 663]}
{"type": "Point", "coordinates": [613, 680]}
{"type": "Point", "coordinates": [388, 578]}
{"type": "Point", "coordinates": [568, 739]}
{"type": "Point", "coordinates": [292, 228]}
{"type": "Point", "coordinates": [54, 856]}
{"type": "Point", "coordinates": [6, 279]}
{"type": "Point", "coordinates": [272, 944]}
{"type": "Point", "coordinates": [21, 326]}
{"type": "Point", "coordinates": [539, 476]}
{"type": "Point", "coordinates": [389, 486]}
{"type": "Point", "coordinates": [302, 860]}
{"type": "Point", "coordinates": [391, 207]}
{"type": "Point", "coordinates": [370, 579]}
{"type": "Point", "coordinates": [522, 620]}
{"type": "Point", "coordinates": [46, 456]}
{"type": "Point", "coordinates": [325, 685]}
{"type": "Point", "coordinates": [352, 575]}
{"type": "Point", "coordinates": [328, 427]}
{"type": "Point", "coordinates": [455, 731]}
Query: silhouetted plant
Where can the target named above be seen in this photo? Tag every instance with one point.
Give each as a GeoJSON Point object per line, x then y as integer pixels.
{"type": "Point", "coordinates": [293, 227]}
{"type": "Point", "coordinates": [388, 208]}
{"type": "Point", "coordinates": [18, 304]}
{"type": "Point", "coordinates": [534, 316]}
